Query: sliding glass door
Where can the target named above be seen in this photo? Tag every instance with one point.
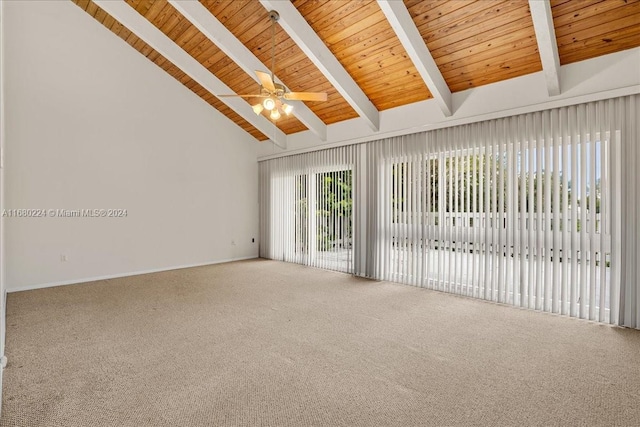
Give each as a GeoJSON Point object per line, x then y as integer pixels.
{"type": "Point", "coordinates": [312, 216]}
{"type": "Point", "coordinates": [333, 225]}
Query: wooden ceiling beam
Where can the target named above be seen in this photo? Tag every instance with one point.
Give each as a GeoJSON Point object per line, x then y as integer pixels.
{"type": "Point", "coordinates": [146, 31]}
{"type": "Point", "coordinates": [310, 43]}
{"type": "Point", "coordinates": [406, 30]}
{"type": "Point", "coordinates": [213, 29]}
{"type": "Point", "coordinates": [547, 45]}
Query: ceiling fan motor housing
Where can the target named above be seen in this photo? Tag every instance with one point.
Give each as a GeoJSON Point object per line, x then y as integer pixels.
{"type": "Point", "coordinates": [279, 92]}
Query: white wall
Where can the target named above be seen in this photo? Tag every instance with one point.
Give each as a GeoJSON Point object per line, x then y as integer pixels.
{"type": "Point", "coordinates": [2, 256]}
{"type": "Point", "coordinates": [93, 124]}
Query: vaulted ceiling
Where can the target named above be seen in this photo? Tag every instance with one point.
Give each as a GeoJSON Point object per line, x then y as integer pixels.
{"type": "Point", "coordinates": [368, 56]}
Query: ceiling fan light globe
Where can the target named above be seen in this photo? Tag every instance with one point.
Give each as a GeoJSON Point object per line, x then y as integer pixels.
{"type": "Point", "coordinates": [269, 104]}
{"type": "Point", "coordinates": [287, 108]}
{"type": "Point", "coordinates": [275, 114]}
{"type": "Point", "coordinates": [257, 109]}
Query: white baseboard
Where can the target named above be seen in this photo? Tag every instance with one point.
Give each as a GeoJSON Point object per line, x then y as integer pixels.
{"type": "Point", "coordinates": [116, 276]}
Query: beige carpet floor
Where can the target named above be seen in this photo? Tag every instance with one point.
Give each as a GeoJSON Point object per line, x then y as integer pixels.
{"type": "Point", "coordinates": [272, 344]}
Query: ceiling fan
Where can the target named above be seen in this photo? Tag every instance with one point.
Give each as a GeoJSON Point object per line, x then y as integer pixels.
{"type": "Point", "coordinates": [273, 93]}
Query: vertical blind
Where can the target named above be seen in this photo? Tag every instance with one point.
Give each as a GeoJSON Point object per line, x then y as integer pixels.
{"type": "Point", "coordinates": [306, 209]}
{"type": "Point", "coordinates": [627, 116]}
{"type": "Point", "coordinates": [527, 210]}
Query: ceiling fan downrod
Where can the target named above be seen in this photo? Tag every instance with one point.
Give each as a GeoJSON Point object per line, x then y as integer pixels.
{"type": "Point", "coordinates": [273, 16]}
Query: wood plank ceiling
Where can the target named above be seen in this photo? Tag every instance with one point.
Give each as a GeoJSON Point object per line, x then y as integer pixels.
{"type": "Point", "coordinates": [360, 37]}
{"type": "Point", "coordinates": [477, 43]}
{"type": "Point", "coordinates": [248, 21]}
{"type": "Point", "coordinates": [587, 29]}
{"type": "Point", "coordinates": [175, 26]}
{"type": "Point", "coordinates": [473, 43]}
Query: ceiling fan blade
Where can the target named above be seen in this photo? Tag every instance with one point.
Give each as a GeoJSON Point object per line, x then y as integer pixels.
{"type": "Point", "coordinates": [243, 96]}
{"type": "Point", "coordinates": [265, 81]}
{"type": "Point", "coordinates": [306, 96]}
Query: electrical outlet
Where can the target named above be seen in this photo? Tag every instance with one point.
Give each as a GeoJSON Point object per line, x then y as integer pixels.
{"type": "Point", "coordinates": [253, 240]}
